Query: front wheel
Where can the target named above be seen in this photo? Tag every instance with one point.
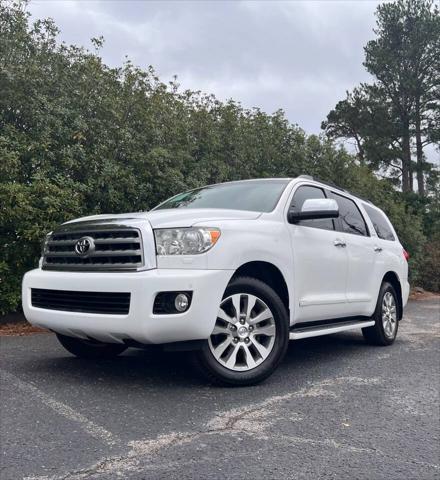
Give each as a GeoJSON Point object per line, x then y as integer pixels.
{"type": "Point", "coordinates": [90, 348]}
{"type": "Point", "coordinates": [384, 331]}
{"type": "Point", "coordinates": [250, 336]}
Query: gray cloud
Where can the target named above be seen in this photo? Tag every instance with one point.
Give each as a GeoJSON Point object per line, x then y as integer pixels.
{"type": "Point", "coordinates": [300, 56]}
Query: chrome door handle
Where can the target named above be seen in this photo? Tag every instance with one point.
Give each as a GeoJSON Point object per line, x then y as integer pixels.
{"type": "Point", "coordinates": [377, 249]}
{"type": "Point", "coordinates": [339, 243]}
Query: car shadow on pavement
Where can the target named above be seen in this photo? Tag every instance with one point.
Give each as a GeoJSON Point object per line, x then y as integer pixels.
{"type": "Point", "coordinates": [157, 368]}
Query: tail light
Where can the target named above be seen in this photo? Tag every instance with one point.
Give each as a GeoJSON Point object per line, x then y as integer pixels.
{"type": "Point", "coordinates": [406, 255]}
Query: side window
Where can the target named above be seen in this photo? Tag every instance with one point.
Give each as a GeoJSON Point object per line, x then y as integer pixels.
{"type": "Point", "coordinates": [380, 223]}
{"type": "Point", "coordinates": [302, 194]}
{"type": "Point", "coordinates": [350, 217]}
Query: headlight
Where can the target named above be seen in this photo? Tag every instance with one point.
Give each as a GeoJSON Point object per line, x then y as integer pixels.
{"type": "Point", "coordinates": [185, 241]}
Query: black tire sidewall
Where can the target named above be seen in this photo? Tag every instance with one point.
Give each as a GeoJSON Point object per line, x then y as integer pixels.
{"type": "Point", "coordinates": [220, 374]}
{"type": "Point", "coordinates": [378, 327]}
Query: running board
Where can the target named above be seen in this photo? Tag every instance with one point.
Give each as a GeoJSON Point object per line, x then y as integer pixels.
{"type": "Point", "coordinates": [316, 331]}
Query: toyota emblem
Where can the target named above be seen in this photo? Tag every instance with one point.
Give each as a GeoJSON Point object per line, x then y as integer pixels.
{"type": "Point", "coordinates": [84, 246]}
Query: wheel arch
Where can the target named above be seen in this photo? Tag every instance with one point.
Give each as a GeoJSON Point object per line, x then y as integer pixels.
{"type": "Point", "coordinates": [392, 278]}
{"type": "Point", "coordinates": [268, 273]}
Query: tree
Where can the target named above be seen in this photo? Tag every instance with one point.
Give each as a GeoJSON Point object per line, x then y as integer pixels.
{"type": "Point", "coordinates": [348, 120]}
{"type": "Point", "coordinates": [405, 60]}
{"type": "Point", "coordinates": [367, 117]}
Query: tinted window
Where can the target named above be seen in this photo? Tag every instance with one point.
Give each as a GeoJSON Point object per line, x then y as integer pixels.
{"type": "Point", "coordinates": [350, 217]}
{"type": "Point", "coordinates": [380, 223]}
{"type": "Point", "coordinates": [257, 196]}
{"type": "Point", "coordinates": [301, 195]}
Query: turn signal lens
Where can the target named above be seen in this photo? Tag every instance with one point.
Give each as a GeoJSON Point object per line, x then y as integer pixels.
{"type": "Point", "coordinates": [215, 235]}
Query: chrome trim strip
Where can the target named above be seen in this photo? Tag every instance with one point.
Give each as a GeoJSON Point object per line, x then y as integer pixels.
{"type": "Point", "coordinates": [327, 330]}
{"type": "Point", "coordinates": [90, 228]}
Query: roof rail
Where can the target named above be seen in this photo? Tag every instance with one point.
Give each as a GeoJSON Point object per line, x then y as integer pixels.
{"type": "Point", "coordinates": [329, 184]}
{"type": "Point", "coordinates": [364, 199]}
{"type": "Point", "coordinates": [333, 185]}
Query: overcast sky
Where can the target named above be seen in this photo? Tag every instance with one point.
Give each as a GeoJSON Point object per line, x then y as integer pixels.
{"type": "Point", "coordinates": [300, 56]}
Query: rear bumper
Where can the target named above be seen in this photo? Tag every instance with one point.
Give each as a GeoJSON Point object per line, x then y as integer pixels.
{"type": "Point", "coordinates": [405, 293]}
{"type": "Point", "coordinates": [140, 324]}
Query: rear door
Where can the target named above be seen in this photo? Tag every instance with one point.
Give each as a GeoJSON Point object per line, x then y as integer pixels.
{"type": "Point", "coordinates": [387, 248]}
{"type": "Point", "coordinates": [320, 263]}
{"type": "Point", "coordinates": [361, 277]}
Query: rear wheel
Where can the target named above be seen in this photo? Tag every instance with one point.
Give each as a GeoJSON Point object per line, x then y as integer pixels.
{"type": "Point", "coordinates": [384, 331]}
{"type": "Point", "coordinates": [90, 348]}
{"type": "Point", "coordinates": [250, 336]}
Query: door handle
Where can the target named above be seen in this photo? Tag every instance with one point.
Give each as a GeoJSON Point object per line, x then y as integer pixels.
{"type": "Point", "coordinates": [339, 243]}
{"type": "Point", "coordinates": [377, 249]}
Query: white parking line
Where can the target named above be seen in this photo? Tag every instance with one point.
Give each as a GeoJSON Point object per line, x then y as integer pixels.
{"type": "Point", "coordinates": [87, 425]}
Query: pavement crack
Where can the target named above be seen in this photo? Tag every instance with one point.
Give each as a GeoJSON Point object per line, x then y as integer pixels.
{"type": "Point", "coordinates": [257, 418]}
{"type": "Point", "coordinates": [251, 420]}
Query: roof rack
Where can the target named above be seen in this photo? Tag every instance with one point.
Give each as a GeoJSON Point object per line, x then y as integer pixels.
{"type": "Point", "coordinates": [329, 184]}
{"type": "Point", "coordinates": [333, 185]}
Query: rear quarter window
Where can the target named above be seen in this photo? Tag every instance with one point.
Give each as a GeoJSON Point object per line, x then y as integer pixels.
{"type": "Point", "coordinates": [380, 223]}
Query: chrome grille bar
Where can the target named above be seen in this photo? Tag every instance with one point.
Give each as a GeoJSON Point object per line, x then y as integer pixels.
{"type": "Point", "coordinates": [114, 247]}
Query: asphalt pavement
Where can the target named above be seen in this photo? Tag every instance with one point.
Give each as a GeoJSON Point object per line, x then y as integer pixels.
{"type": "Point", "coordinates": [336, 408]}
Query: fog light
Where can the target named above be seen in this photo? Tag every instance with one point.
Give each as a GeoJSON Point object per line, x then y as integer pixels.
{"type": "Point", "coordinates": [181, 302]}
{"type": "Point", "coordinates": [172, 302]}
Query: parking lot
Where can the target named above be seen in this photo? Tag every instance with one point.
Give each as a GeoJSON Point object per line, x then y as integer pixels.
{"type": "Point", "coordinates": [336, 408]}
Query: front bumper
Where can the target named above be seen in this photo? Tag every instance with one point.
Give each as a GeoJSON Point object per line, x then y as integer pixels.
{"type": "Point", "coordinates": [140, 324]}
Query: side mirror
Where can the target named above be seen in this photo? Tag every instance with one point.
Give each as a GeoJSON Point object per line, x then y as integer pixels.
{"type": "Point", "coordinates": [315, 208]}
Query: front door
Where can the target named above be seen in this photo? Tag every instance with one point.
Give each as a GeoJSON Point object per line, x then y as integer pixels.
{"type": "Point", "coordinates": [320, 263]}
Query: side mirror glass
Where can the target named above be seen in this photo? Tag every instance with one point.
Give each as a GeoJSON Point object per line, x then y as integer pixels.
{"type": "Point", "coordinates": [315, 208]}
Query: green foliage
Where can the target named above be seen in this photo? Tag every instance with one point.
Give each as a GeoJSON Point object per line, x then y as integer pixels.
{"type": "Point", "coordinates": [78, 138]}
{"type": "Point", "coordinates": [429, 266]}
{"type": "Point", "coordinates": [366, 116]}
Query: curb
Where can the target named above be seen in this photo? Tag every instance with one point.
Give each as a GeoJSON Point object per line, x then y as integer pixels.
{"type": "Point", "coordinates": [17, 317]}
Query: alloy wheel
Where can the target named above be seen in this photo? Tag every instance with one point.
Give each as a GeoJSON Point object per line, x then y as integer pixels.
{"type": "Point", "coordinates": [244, 332]}
{"type": "Point", "coordinates": [389, 314]}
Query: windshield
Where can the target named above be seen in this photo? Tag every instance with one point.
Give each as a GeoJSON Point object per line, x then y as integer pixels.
{"type": "Point", "coordinates": [253, 195]}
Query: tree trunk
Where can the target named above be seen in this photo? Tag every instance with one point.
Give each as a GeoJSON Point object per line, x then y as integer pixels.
{"type": "Point", "coordinates": [406, 158]}
{"type": "Point", "coordinates": [361, 152]}
{"type": "Point", "coordinates": [419, 149]}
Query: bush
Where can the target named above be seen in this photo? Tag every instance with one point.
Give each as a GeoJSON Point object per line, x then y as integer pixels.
{"type": "Point", "coordinates": [429, 265]}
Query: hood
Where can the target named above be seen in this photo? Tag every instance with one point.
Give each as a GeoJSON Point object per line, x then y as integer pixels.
{"type": "Point", "coordinates": [110, 217]}
{"type": "Point", "coordinates": [176, 217]}
{"type": "Point", "coordinates": [187, 217]}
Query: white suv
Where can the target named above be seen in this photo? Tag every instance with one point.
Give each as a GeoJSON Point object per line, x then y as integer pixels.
{"type": "Point", "coordinates": [231, 271]}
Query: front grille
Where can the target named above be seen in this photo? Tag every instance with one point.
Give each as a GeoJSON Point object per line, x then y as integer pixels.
{"type": "Point", "coordinates": [112, 248]}
{"type": "Point", "coordinates": [113, 303]}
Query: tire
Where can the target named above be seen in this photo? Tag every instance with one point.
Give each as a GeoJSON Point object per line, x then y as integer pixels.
{"type": "Point", "coordinates": [255, 343]}
{"type": "Point", "coordinates": [386, 315]}
{"type": "Point", "coordinates": [91, 349]}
